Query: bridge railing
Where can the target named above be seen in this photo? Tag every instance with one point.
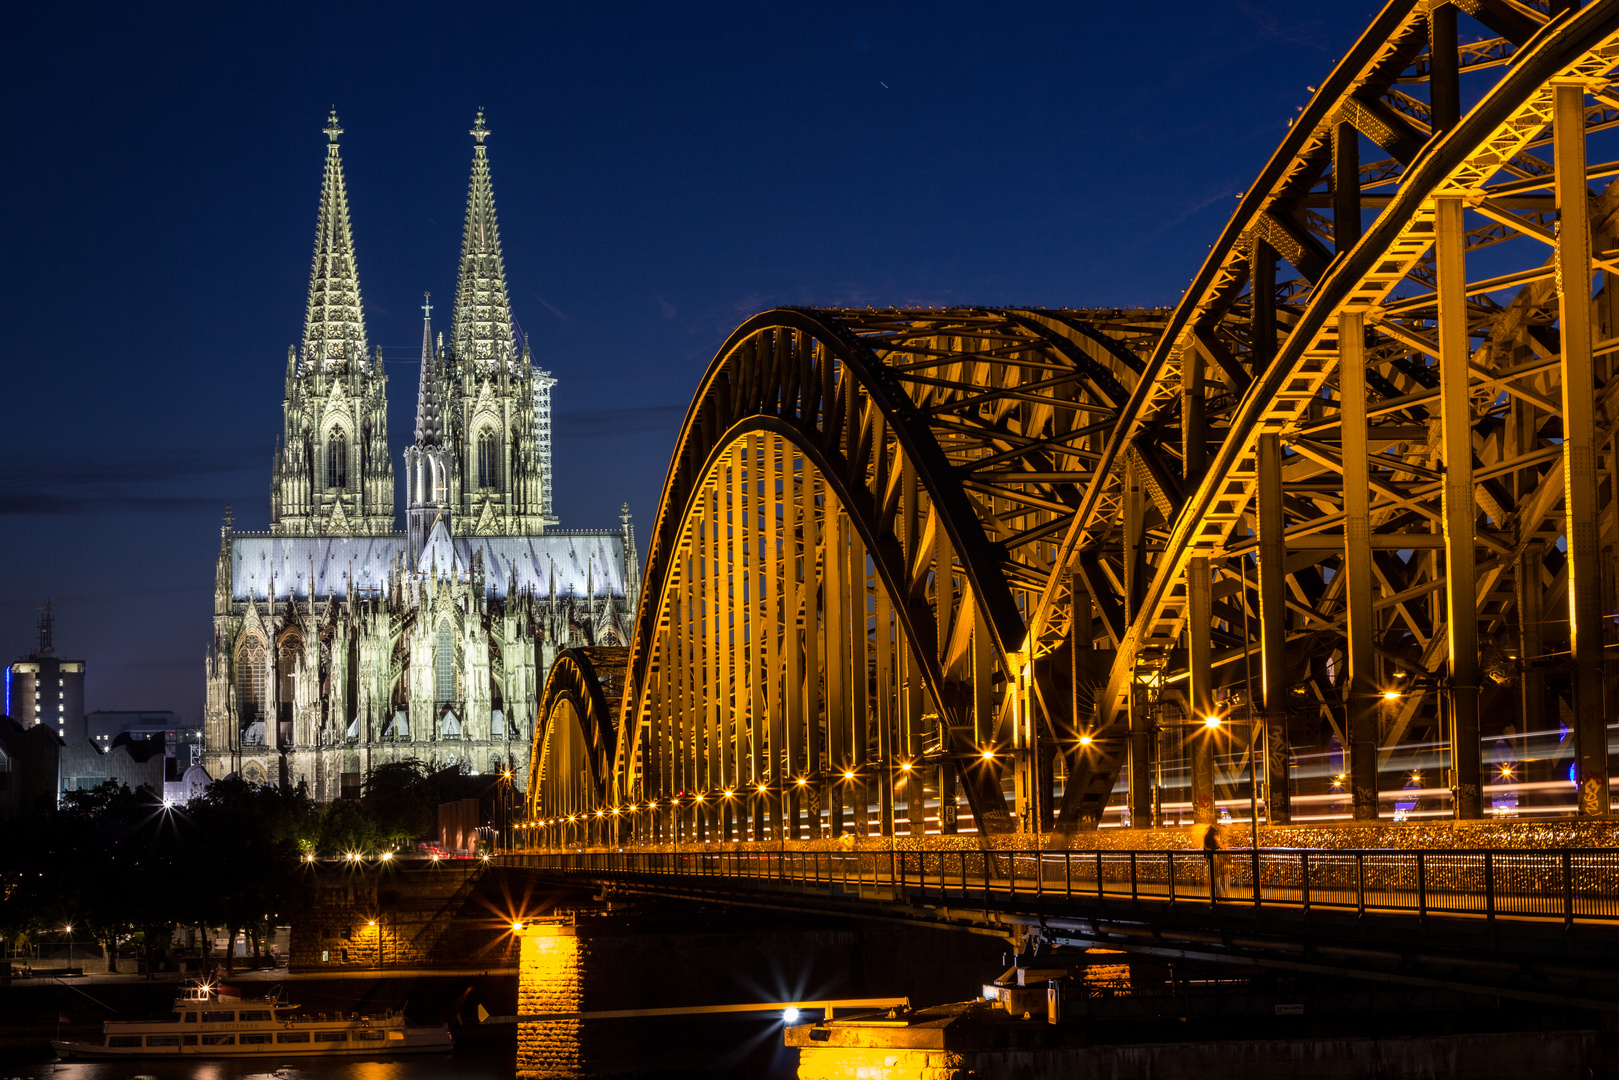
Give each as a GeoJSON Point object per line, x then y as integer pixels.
{"type": "Point", "coordinates": [1566, 884]}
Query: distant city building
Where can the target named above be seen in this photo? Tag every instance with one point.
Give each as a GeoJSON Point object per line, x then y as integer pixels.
{"type": "Point", "coordinates": [130, 761]}
{"type": "Point", "coordinates": [339, 643]}
{"type": "Point", "coordinates": [30, 759]}
{"type": "Point", "coordinates": [43, 688]}
{"type": "Point", "coordinates": [181, 741]}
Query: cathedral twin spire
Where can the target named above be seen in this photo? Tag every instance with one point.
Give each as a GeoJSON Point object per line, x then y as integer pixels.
{"type": "Point", "coordinates": [482, 330]}
{"type": "Point", "coordinates": [334, 323]}
{"type": "Point", "coordinates": [482, 440]}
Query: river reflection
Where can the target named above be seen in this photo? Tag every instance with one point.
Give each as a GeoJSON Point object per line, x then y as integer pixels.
{"type": "Point", "coordinates": [476, 1064]}
{"type": "Point", "coordinates": [562, 971]}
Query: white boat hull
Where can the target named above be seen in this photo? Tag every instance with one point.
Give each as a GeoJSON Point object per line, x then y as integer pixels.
{"type": "Point", "coordinates": [429, 1040]}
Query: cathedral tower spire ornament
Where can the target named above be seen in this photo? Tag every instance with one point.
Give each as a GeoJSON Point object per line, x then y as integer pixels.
{"type": "Point", "coordinates": [333, 473]}
{"type": "Point", "coordinates": [334, 322]}
{"type": "Point", "coordinates": [498, 408]}
{"type": "Point", "coordinates": [482, 329]}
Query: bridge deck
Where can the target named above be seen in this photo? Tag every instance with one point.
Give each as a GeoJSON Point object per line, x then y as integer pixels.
{"type": "Point", "coordinates": [1526, 924]}
{"type": "Point", "coordinates": [1544, 885]}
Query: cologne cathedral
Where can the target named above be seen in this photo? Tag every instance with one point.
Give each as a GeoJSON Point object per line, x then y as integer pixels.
{"type": "Point", "coordinates": [341, 643]}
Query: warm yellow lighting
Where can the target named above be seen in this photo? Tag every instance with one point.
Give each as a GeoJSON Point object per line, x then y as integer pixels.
{"type": "Point", "coordinates": [699, 797]}
{"type": "Point", "coordinates": [1506, 772]}
{"type": "Point", "coordinates": [373, 922]}
{"type": "Point", "coordinates": [730, 793]}
{"type": "Point", "coordinates": [763, 787]}
{"type": "Point", "coordinates": [989, 755]}
{"type": "Point", "coordinates": [435, 856]}
{"type": "Point", "coordinates": [599, 813]}
{"type": "Point", "coordinates": [905, 766]}
{"type": "Point", "coordinates": [615, 811]}
{"type": "Point", "coordinates": [1390, 695]}
{"type": "Point", "coordinates": [848, 775]}
{"type": "Point", "coordinates": [309, 858]}
{"type": "Point", "coordinates": [1211, 721]}
{"type": "Point", "coordinates": [507, 775]}
{"type": "Point", "coordinates": [517, 927]}
{"type": "Point", "coordinates": [1416, 774]}
{"type": "Point", "coordinates": [386, 855]}
{"type": "Point", "coordinates": [801, 781]}
{"type": "Point", "coordinates": [1085, 740]}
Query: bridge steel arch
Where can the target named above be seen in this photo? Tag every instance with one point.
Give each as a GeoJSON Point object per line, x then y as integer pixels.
{"type": "Point", "coordinates": [861, 506]}
{"type": "Point", "coordinates": [1356, 489]}
{"type": "Point", "coordinates": [571, 758]}
{"type": "Point", "coordinates": [1404, 512]}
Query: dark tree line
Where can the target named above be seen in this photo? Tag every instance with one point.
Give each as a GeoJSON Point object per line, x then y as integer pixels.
{"type": "Point", "coordinates": [117, 864]}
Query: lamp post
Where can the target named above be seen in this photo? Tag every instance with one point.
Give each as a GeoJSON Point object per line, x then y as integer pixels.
{"type": "Point", "coordinates": [1212, 724]}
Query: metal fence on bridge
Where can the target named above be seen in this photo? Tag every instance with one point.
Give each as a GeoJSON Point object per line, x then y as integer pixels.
{"type": "Point", "coordinates": [1544, 885]}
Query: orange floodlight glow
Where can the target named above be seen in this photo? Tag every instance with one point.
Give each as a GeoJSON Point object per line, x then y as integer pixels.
{"type": "Point", "coordinates": [1211, 722]}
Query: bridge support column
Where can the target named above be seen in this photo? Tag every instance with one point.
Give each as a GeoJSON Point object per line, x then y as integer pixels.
{"type": "Point", "coordinates": [947, 798]}
{"type": "Point", "coordinates": [1273, 624]}
{"type": "Point", "coordinates": [1444, 76]}
{"type": "Point", "coordinates": [1199, 627]}
{"type": "Point", "coordinates": [1141, 758]}
{"type": "Point", "coordinates": [1579, 446]}
{"type": "Point", "coordinates": [1460, 512]}
{"type": "Point", "coordinates": [1363, 694]}
{"type": "Point", "coordinates": [1345, 185]}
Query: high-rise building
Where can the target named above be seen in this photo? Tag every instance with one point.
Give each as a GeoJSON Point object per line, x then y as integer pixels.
{"type": "Point", "coordinates": [43, 688]}
{"type": "Point", "coordinates": [340, 643]}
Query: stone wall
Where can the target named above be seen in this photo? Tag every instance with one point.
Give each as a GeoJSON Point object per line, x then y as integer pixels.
{"type": "Point", "coordinates": [387, 917]}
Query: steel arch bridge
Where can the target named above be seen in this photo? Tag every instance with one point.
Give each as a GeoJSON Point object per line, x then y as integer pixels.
{"type": "Point", "coordinates": [1353, 493]}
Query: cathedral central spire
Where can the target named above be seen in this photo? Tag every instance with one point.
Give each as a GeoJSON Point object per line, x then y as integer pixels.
{"type": "Point", "coordinates": [430, 461]}
{"type": "Point", "coordinates": [334, 323]}
{"type": "Point", "coordinates": [429, 397]}
{"type": "Point", "coordinates": [482, 328]}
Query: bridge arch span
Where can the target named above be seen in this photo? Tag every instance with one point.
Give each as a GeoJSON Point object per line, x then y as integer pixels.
{"type": "Point", "coordinates": [1356, 489]}
{"type": "Point", "coordinates": [857, 510]}
{"type": "Point", "coordinates": [571, 756]}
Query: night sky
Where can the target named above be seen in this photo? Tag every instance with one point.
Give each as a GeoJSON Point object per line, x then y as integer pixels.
{"type": "Point", "coordinates": [661, 172]}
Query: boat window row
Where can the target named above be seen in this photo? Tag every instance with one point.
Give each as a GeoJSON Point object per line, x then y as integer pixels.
{"type": "Point", "coordinates": [224, 1016]}
{"type": "Point", "coordinates": [246, 1038]}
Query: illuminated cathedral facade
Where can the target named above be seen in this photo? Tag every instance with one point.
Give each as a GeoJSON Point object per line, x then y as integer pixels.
{"type": "Point", "coordinates": [340, 642]}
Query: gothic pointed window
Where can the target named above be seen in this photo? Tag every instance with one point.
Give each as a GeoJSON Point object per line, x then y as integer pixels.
{"type": "Point", "coordinates": [250, 681]}
{"type": "Point", "coordinates": [445, 663]}
{"type": "Point", "coordinates": [337, 460]}
{"type": "Point", "coordinates": [486, 459]}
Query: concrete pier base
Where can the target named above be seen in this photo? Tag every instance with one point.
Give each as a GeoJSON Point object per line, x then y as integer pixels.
{"type": "Point", "coordinates": [1478, 1057]}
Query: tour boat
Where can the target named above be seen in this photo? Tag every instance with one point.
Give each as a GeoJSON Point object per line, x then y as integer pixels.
{"type": "Point", "coordinates": [215, 1021]}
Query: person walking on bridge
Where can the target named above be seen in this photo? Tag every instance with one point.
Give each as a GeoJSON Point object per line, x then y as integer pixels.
{"type": "Point", "coordinates": [1219, 865]}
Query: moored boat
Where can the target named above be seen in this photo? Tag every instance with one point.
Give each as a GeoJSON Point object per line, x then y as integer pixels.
{"type": "Point", "coordinates": [216, 1021]}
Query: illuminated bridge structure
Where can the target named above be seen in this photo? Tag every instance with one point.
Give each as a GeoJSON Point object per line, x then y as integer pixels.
{"type": "Point", "coordinates": [1348, 509]}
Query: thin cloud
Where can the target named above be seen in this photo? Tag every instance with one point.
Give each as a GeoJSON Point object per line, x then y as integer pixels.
{"type": "Point", "coordinates": [615, 423]}
{"type": "Point", "coordinates": [552, 308]}
{"type": "Point", "coordinates": [43, 485]}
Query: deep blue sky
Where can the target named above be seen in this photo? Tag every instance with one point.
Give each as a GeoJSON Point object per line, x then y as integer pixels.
{"type": "Point", "coordinates": [661, 172]}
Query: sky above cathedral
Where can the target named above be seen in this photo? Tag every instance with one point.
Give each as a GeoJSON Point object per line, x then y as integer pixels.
{"type": "Point", "coordinates": [661, 172]}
